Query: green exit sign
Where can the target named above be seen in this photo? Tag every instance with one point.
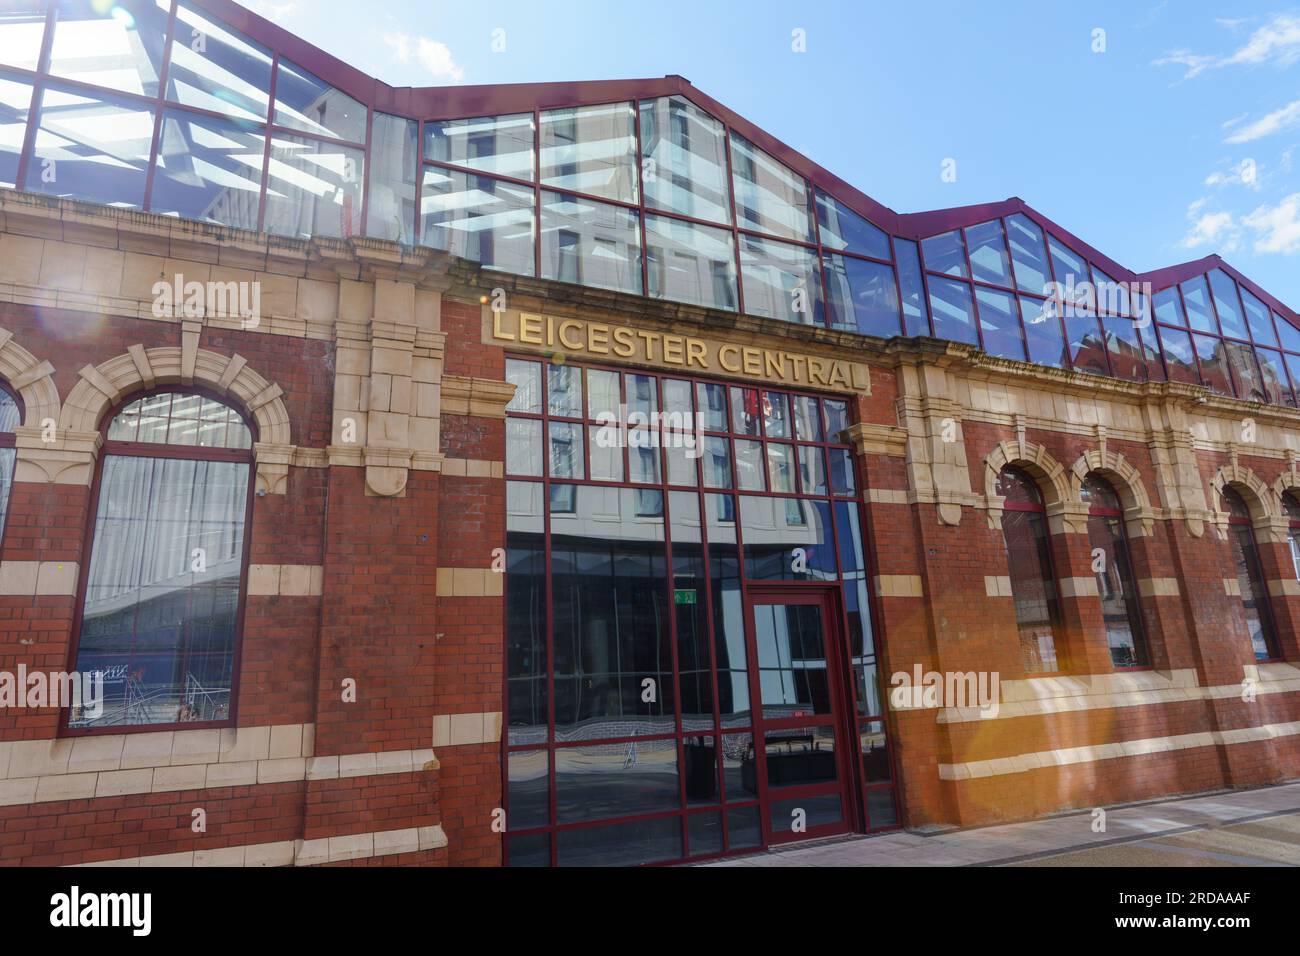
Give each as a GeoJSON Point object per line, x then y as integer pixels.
{"type": "Point", "coordinates": [684, 595]}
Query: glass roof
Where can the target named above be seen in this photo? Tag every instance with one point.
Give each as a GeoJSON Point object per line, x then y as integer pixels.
{"type": "Point", "coordinates": [198, 109]}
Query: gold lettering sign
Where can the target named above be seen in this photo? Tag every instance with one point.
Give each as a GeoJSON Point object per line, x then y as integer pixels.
{"type": "Point", "coordinates": [603, 341]}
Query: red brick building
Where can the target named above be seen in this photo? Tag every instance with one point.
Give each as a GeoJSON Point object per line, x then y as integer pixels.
{"type": "Point", "coordinates": [575, 473]}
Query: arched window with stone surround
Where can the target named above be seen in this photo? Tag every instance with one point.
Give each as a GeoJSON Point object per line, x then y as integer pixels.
{"type": "Point", "coordinates": [11, 416]}
{"type": "Point", "coordinates": [1291, 508]}
{"type": "Point", "coordinates": [1120, 609]}
{"type": "Point", "coordinates": [1029, 562]}
{"type": "Point", "coordinates": [163, 582]}
{"type": "Point", "coordinates": [1250, 577]}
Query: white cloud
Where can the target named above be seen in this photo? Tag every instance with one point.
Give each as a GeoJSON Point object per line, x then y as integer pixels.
{"type": "Point", "coordinates": [1274, 122]}
{"type": "Point", "coordinates": [1276, 228]}
{"type": "Point", "coordinates": [1216, 229]}
{"type": "Point", "coordinates": [1277, 41]}
{"type": "Point", "coordinates": [434, 55]}
{"type": "Point", "coordinates": [1245, 173]}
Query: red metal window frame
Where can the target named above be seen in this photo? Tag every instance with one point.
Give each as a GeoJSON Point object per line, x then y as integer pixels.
{"type": "Point", "coordinates": [182, 452]}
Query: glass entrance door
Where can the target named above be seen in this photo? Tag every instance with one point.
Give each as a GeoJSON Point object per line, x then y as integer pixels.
{"type": "Point", "coordinates": [801, 735]}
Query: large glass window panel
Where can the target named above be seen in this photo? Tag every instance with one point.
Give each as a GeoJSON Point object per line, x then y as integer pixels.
{"type": "Point", "coordinates": [1117, 588]}
{"type": "Point", "coordinates": [478, 218]}
{"type": "Point", "coordinates": [770, 197]}
{"type": "Point", "coordinates": [115, 45]}
{"type": "Point", "coordinates": [590, 149]}
{"type": "Point", "coordinates": [91, 148]}
{"type": "Point", "coordinates": [780, 280]}
{"type": "Point", "coordinates": [954, 314]}
{"type": "Point", "coordinates": [1245, 373]}
{"type": "Point", "coordinates": [616, 780]}
{"type": "Point", "coordinates": [1214, 363]}
{"type": "Point", "coordinates": [394, 147]}
{"type": "Point", "coordinates": [1289, 334]}
{"type": "Point", "coordinates": [15, 98]}
{"type": "Point", "coordinates": [792, 675]}
{"type": "Point", "coordinates": [1028, 256]}
{"type": "Point", "coordinates": [1273, 378]}
{"type": "Point", "coordinates": [841, 228]}
{"type": "Point", "coordinates": [590, 243]}
{"type": "Point", "coordinates": [314, 188]}
{"type": "Point", "coordinates": [686, 262]}
{"type": "Point", "coordinates": [1112, 296]}
{"type": "Point", "coordinates": [1180, 362]}
{"type": "Point", "coordinates": [1124, 348]}
{"type": "Point", "coordinates": [491, 144]}
{"type": "Point", "coordinates": [162, 630]}
{"type": "Point", "coordinates": [787, 539]}
{"type": "Point", "coordinates": [684, 160]}
{"type": "Point", "coordinates": [22, 28]}
{"type": "Point", "coordinates": [988, 253]}
{"type": "Point", "coordinates": [523, 447]}
{"type": "Point", "coordinates": [1257, 317]}
{"type": "Point", "coordinates": [861, 296]}
{"type": "Point", "coordinates": [1043, 333]}
{"type": "Point", "coordinates": [1000, 323]}
{"type": "Point", "coordinates": [529, 790]}
{"type": "Point", "coordinates": [527, 379]}
{"type": "Point", "coordinates": [622, 844]}
{"type": "Point", "coordinates": [1087, 346]}
{"type": "Point", "coordinates": [217, 69]}
{"type": "Point", "coordinates": [945, 253]}
{"type": "Point", "coordinates": [1071, 272]}
{"type": "Point", "coordinates": [911, 288]}
{"type": "Point", "coordinates": [304, 102]}
{"type": "Point", "coordinates": [1033, 587]}
{"type": "Point", "coordinates": [209, 169]}
{"type": "Point", "coordinates": [526, 660]}
{"type": "Point", "coordinates": [1224, 291]}
{"type": "Point", "coordinates": [1196, 296]}
{"type": "Point", "coordinates": [1169, 308]}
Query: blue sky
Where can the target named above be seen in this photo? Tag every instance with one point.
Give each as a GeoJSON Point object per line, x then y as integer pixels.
{"type": "Point", "coordinates": [1174, 141]}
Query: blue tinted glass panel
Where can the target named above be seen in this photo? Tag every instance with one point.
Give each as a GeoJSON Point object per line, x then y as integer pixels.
{"type": "Point", "coordinates": [590, 243]}
{"type": "Point", "coordinates": [490, 144]}
{"type": "Point", "coordinates": [945, 254]}
{"type": "Point", "coordinates": [1273, 381]}
{"type": "Point", "coordinates": [1245, 373]}
{"type": "Point", "coordinates": [770, 198]}
{"type": "Point", "coordinates": [690, 263]}
{"type": "Point", "coordinates": [1028, 256]}
{"type": "Point", "coordinates": [988, 253]}
{"type": "Point", "coordinates": [1000, 323]}
{"type": "Point", "coordinates": [313, 188]}
{"type": "Point", "coordinates": [1112, 295]}
{"type": "Point", "coordinates": [114, 45]}
{"type": "Point", "coordinates": [1225, 303]}
{"type": "Point", "coordinates": [22, 27]}
{"type": "Point", "coordinates": [954, 314]}
{"type": "Point", "coordinates": [1043, 333]}
{"type": "Point", "coordinates": [1169, 309]}
{"type": "Point", "coordinates": [916, 320]}
{"type": "Point", "coordinates": [684, 160]}
{"type": "Point", "coordinates": [861, 296]}
{"type": "Point", "coordinates": [217, 69]}
{"type": "Point", "coordinates": [1289, 333]}
{"type": "Point", "coordinates": [1214, 363]}
{"type": "Point", "coordinates": [780, 280]}
{"type": "Point", "coordinates": [394, 148]}
{"type": "Point", "coordinates": [1071, 271]}
{"type": "Point", "coordinates": [1087, 347]}
{"type": "Point", "coordinates": [591, 149]}
{"type": "Point", "coordinates": [92, 148]}
{"type": "Point", "coordinates": [15, 98]}
{"type": "Point", "coordinates": [1180, 363]}
{"type": "Point", "coordinates": [478, 218]}
{"type": "Point", "coordinates": [842, 228]}
{"type": "Point", "coordinates": [209, 169]}
{"type": "Point", "coordinates": [1196, 297]}
{"type": "Point", "coordinates": [1124, 347]}
{"type": "Point", "coordinates": [305, 103]}
{"type": "Point", "coordinates": [1257, 317]}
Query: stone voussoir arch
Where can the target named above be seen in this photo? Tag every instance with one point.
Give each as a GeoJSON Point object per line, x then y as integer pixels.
{"type": "Point", "coordinates": [1051, 476]}
{"type": "Point", "coordinates": [31, 378]}
{"type": "Point", "coordinates": [1264, 503]}
{"type": "Point", "coordinates": [1124, 478]}
{"type": "Point", "coordinates": [102, 386]}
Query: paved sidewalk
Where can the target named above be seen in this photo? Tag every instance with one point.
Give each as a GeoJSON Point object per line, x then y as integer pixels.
{"type": "Point", "coordinates": [1238, 828]}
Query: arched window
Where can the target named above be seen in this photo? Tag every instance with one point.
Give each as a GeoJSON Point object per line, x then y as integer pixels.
{"type": "Point", "coordinates": [1119, 598]}
{"type": "Point", "coordinates": [1291, 508]}
{"type": "Point", "coordinates": [1250, 579]}
{"type": "Point", "coordinates": [161, 608]}
{"type": "Point", "coordinates": [11, 416]}
{"type": "Point", "coordinates": [1029, 559]}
